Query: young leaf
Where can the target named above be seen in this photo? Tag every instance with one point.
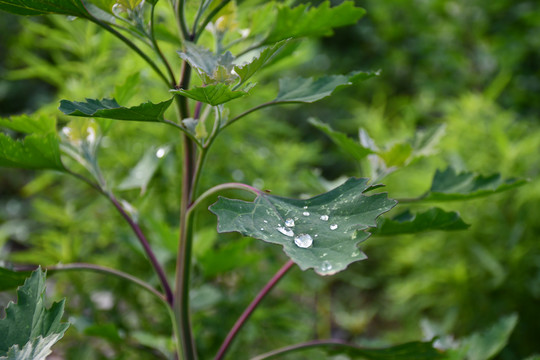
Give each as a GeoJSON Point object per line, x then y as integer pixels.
{"type": "Point", "coordinates": [29, 329]}
{"type": "Point", "coordinates": [212, 69]}
{"type": "Point", "coordinates": [110, 109]}
{"type": "Point", "coordinates": [408, 223]}
{"type": "Point", "coordinates": [248, 70]}
{"type": "Point", "coordinates": [312, 21]}
{"type": "Point", "coordinates": [308, 90]}
{"type": "Point", "coordinates": [449, 185]}
{"type": "Point", "coordinates": [212, 94]}
{"type": "Point", "coordinates": [33, 152]}
{"type": "Point", "coordinates": [350, 146]}
{"type": "Point", "coordinates": [45, 7]}
{"type": "Point", "coordinates": [320, 233]}
{"type": "Point", "coordinates": [142, 173]}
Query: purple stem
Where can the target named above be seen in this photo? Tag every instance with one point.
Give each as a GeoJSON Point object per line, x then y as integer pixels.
{"type": "Point", "coordinates": [147, 249]}
{"type": "Point", "coordinates": [252, 306]}
{"type": "Point", "coordinates": [197, 112]}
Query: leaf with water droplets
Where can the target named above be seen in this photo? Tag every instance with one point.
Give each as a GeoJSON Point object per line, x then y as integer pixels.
{"type": "Point", "coordinates": [332, 243]}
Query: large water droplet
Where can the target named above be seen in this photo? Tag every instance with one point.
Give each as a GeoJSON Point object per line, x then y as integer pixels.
{"type": "Point", "coordinates": [324, 217]}
{"type": "Point", "coordinates": [333, 227]}
{"type": "Point", "coordinates": [305, 213]}
{"type": "Point", "coordinates": [303, 240]}
{"type": "Point", "coordinates": [285, 231]}
{"type": "Point", "coordinates": [289, 222]}
{"type": "Point", "coordinates": [326, 266]}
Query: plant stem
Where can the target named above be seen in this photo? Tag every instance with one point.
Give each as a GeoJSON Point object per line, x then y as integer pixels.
{"type": "Point", "coordinates": [181, 19]}
{"type": "Point", "coordinates": [305, 345]}
{"type": "Point", "coordinates": [220, 187]}
{"type": "Point", "coordinates": [146, 245]}
{"type": "Point", "coordinates": [157, 48]}
{"type": "Point", "coordinates": [102, 269]}
{"type": "Point", "coordinates": [252, 306]}
{"type": "Point", "coordinates": [247, 112]}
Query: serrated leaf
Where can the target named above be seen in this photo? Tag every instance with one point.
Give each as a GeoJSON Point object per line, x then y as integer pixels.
{"type": "Point", "coordinates": [483, 345]}
{"type": "Point", "coordinates": [142, 173]}
{"type": "Point", "coordinates": [33, 152]}
{"type": "Point", "coordinates": [29, 329]}
{"type": "Point", "coordinates": [246, 71]}
{"type": "Point", "coordinates": [212, 69]}
{"type": "Point", "coordinates": [110, 109]}
{"type": "Point", "coordinates": [45, 7]}
{"type": "Point", "coordinates": [37, 124]}
{"type": "Point", "coordinates": [212, 94]}
{"type": "Point", "coordinates": [334, 221]}
{"type": "Point", "coordinates": [312, 21]}
{"type": "Point", "coordinates": [10, 279]}
{"type": "Point", "coordinates": [415, 350]}
{"type": "Point", "coordinates": [308, 90]}
{"type": "Point", "coordinates": [429, 220]}
{"type": "Point", "coordinates": [449, 185]}
{"type": "Point", "coordinates": [349, 145]}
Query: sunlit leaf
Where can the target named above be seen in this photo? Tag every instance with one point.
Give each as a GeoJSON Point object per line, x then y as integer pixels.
{"type": "Point", "coordinates": [320, 233]}
{"type": "Point", "coordinates": [308, 90]}
{"type": "Point", "coordinates": [304, 20]}
{"type": "Point", "coordinates": [29, 329]}
{"type": "Point", "coordinates": [347, 144]}
{"type": "Point", "coordinates": [429, 220]}
{"type": "Point", "coordinates": [110, 109]}
{"type": "Point", "coordinates": [33, 152]}
{"type": "Point", "coordinates": [449, 185]}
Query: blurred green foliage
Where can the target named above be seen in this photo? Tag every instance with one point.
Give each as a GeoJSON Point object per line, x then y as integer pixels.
{"type": "Point", "coordinates": [469, 65]}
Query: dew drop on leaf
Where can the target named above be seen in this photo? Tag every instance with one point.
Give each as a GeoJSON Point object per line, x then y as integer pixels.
{"type": "Point", "coordinates": [305, 213]}
{"type": "Point", "coordinates": [303, 240]}
{"type": "Point", "coordinates": [326, 266]}
{"type": "Point", "coordinates": [333, 227]}
{"type": "Point", "coordinates": [285, 231]}
{"type": "Point", "coordinates": [289, 222]}
{"type": "Point", "coordinates": [324, 217]}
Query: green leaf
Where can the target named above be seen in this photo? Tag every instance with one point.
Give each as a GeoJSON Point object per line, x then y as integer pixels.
{"type": "Point", "coordinates": [449, 185]}
{"type": "Point", "coordinates": [246, 71]}
{"type": "Point", "coordinates": [110, 109]}
{"type": "Point", "coordinates": [142, 173]}
{"type": "Point", "coordinates": [212, 94]}
{"type": "Point", "coordinates": [429, 220]}
{"type": "Point", "coordinates": [11, 279]}
{"type": "Point", "coordinates": [212, 69]}
{"type": "Point", "coordinates": [485, 344]}
{"type": "Point", "coordinates": [326, 229]}
{"type": "Point", "coordinates": [415, 350]}
{"type": "Point", "coordinates": [29, 329]}
{"type": "Point", "coordinates": [349, 145]}
{"type": "Point", "coordinates": [38, 124]}
{"type": "Point", "coordinates": [312, 21]}
{"type": "Point", "coordinates": [33, 152]}
{"type": "Point", "coordinates": [308, 90]}
{"type": "Point", "coordinates": [44, 7]}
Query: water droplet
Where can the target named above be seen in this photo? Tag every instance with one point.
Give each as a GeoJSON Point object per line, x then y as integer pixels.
{"type": "Point", "coordinates": [265, 221]}
{"type": "Point", "coordinates": [324, 217]}
{"type": "Point", "coordinates": [262, 229]}
{"type": "Point", "coordinates": [285, 231]}
{"type": "Point", "coordinates": [326, 266]}
{"type": "Point", "coordinates": [303, 240]}
{"type": "Point", "coordinates": [305, 207]}
{"type": "Point", "coordinates": [160, 153]}
{"type": "Point", "coordinates": [289, 222]}
{"type": "Point", "coordinates": [316, 235]}
{"type": "Point", "coordinates": [305, 213]}
{"type": "Point", "coordinates": [333, 227]}
{"type": "Point", "coordinates": [323, 255]}
{"type": "Point", "coordinates": [355, 253]}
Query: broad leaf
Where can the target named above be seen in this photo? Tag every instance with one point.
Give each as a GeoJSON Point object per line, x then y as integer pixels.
{"type": "Point", "coordinates": [110, 109]}
{"type": "Point", "coordinates": [212, 94]}
{"type": "Point", "coordinates": [312, 21]}
{"type": "Point", "coordinates": [33, 152]}
{"type": "Point", "coordinates": [449, 185]}
{"type": "Point", "coordinates": [45, 7]}
{"type": "Point", "coordinates": [29, 329]}
{"type": "Point", "coordinates": [308, 90]}
{"type": "Point", "coordinates": [10, 279]}
{"type": "Point", "coordinates": [320, 233]}
{"type": "Point", "coordinates": [349, 145]}
{"type": "Point", "coordinates": [486, 344]}
{"type": "Point", "coordinates": [142, 173]}
{"type": "Point", "coordinates": [429, 220]}
{"type": "Point", "coordinates": [248, 70]}
{"type": "Point", "coordinates": [212, 69]}
{"type": "Point", "coordinates": [35, 124]}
